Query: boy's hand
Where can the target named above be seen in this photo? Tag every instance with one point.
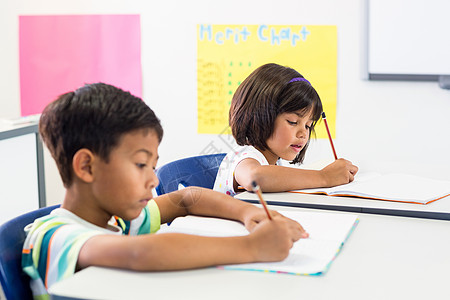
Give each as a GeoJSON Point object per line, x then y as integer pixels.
{"type": "Point", "coordinates": [271, 240]}
{"type": "Point", "coordinates": [341, 171]}
{"type": "Point", "coordinates": [256, 216]}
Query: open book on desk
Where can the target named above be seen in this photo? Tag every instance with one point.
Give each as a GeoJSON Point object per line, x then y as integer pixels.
{"type": "Point", "coordinates": [311, 256]}
{"type": "Point", "coordinates": [390, 187]}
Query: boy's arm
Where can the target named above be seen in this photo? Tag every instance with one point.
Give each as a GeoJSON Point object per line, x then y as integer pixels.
{"type": "Point", "coordinates": [269, 241]}
{"type": "Point", "coordinates": [206, 202]}
{"type": "Point", "coordinates": [280, 179]}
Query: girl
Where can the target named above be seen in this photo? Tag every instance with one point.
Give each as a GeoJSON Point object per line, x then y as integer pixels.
{"type": "Point", "coordinates": [272, 115]}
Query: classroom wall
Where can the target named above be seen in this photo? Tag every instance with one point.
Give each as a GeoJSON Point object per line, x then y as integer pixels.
{"type": "Point", "coordinates": [380, 124]}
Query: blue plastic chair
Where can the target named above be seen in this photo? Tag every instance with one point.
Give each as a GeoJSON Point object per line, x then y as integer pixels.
{"type": "Point", "coordinates": [15, 283]}
{"type": "Point", "coordinates": [192, 171]}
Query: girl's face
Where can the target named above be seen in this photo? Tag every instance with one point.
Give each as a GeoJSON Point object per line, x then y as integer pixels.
{"type": "Point", "coordinates": [290, 135]}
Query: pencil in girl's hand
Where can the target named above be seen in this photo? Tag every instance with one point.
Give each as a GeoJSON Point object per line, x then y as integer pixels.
{"type": "Point", "coordinates": [257, 190]}
{"type": "Point", "coordinates": [324, 118]}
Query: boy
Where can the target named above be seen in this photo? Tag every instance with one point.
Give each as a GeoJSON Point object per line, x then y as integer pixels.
{"type": "Point", "coordinates": [105, 143]}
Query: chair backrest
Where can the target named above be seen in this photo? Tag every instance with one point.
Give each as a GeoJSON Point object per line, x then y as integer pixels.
{"type": "Point", "coordinates": [14, 281]}
{"type": "Point", "coordinates": [192, 171]}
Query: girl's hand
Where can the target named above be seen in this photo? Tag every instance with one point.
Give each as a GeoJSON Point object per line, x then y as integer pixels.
{"type": "Point", "coordinates": [341, 171]}
{"type": "Point", "coordinates": [271, 240]}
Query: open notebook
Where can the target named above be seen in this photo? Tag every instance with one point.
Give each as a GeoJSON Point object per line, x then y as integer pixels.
{"type": "Point", "coordinates": [311, 256]}
{"type": "Point", "coordinates": [389, 187]}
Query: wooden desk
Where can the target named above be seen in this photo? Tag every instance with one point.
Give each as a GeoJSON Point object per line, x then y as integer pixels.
{"type": "Point", "coordinates": [386, 257]}
{"type": "Point", "coordinates": [439, 209]}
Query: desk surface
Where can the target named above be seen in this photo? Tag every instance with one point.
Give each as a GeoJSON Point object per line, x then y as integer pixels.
{"type": "Point", "coordinates": [386, 257]}
{"type": "Point", "coordinates": [439, 209]}
{"type": "Point", "coordinates": [8, 131]}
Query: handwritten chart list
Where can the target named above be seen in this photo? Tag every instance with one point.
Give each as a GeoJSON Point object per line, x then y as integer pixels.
{"type": "Point", "coordinates": [216, 85]}
{"type": "Point", "coordinates": [227, 54]}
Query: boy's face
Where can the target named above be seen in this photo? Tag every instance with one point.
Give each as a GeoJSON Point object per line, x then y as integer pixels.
{"type": "Point", "coordinates": [123, 186]}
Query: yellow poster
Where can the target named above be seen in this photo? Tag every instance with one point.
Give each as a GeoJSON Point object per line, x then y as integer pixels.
{"type": "Point", "coordinates": [227, 54]}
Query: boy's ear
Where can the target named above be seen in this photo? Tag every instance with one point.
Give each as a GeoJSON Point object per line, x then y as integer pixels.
{"type": "Point", "coordinates": [82, 165]}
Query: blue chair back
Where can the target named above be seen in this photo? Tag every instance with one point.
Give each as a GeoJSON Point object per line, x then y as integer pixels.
{"type": "Point", "coordinates": [192, 171]}
{"type": "Point", "coordinates": [15, 283]}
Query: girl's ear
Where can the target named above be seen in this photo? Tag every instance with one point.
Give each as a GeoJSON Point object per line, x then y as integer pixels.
{"type": "Point", "coordinates": [82, 165]}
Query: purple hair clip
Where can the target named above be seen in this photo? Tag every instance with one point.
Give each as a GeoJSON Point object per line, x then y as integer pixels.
{"type": "Point", "coordinates": [299, 79]}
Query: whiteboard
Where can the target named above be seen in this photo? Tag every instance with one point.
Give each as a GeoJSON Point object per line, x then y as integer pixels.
{"type": "Point", "coordinates": [408, 38]}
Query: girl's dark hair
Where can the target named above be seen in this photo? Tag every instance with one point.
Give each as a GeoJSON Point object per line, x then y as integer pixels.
{"type": "Point", "coordinates": [262, 96]}
{"type": "Point", "coordinates": [95, 117]}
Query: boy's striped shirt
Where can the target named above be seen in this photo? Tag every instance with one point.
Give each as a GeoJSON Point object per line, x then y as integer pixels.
{"type": "Point", "coordinates": [53, 242]}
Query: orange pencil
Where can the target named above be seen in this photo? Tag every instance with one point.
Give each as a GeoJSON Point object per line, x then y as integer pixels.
{"type": "Point", "coordinates": [257, 190]}
{"type": "Point", "coordinates": [324, 118]}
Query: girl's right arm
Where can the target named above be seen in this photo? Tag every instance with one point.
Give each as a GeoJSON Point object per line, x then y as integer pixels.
{"type": "Point", "coordinates": [281, 179]}
{"type": "Point", "coordinates": [269, 241]}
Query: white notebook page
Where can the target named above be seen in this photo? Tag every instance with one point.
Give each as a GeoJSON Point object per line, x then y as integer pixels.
{"type": "Point", "coordinates": [328, 232]}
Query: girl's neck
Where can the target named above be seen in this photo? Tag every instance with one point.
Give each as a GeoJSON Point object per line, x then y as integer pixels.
{"type": "Point", "coordinates": [271, 157]}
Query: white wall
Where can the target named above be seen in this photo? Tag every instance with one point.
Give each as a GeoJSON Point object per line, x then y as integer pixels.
{"type": "Point", "coordinates": [379, 123]}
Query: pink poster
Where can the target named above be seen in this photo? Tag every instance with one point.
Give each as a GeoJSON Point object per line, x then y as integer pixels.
{"type": "Point", "coordinates": [61, 53]}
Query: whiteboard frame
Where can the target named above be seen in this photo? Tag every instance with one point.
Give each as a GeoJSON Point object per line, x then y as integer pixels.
{"type": "Point", "coordinates": [396, 30]}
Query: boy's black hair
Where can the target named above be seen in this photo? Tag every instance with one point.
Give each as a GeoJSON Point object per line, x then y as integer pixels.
{"type": "Point", "coordinates": [262, 96]}
{"type": "Point", "coordinates": [95, 117]}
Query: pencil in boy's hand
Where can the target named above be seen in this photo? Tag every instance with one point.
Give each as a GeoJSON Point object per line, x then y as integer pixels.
{"type": "Point", "coordinates": [324, 118]}
{"type": "Point", "coordinates": [257, 190]}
